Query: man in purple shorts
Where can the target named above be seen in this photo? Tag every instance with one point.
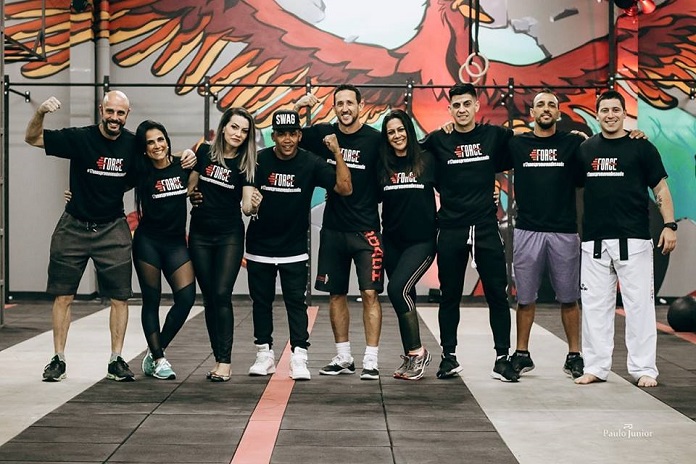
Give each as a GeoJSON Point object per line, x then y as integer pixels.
{"type": "Point", "coordinates": [545, 235]}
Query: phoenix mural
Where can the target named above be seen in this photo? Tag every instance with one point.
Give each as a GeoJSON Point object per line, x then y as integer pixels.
{"type": "Point", "coordinates": [263, 54]}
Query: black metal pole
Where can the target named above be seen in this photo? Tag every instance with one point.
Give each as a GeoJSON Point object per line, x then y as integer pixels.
{"type": "Point", "coordinates": [206, 108]}
{"type": "Point", "coordinates": [612, 45]}
{"type": "Point", "coordinates": [510, 212]}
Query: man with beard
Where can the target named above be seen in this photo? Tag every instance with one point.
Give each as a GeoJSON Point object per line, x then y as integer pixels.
{"type": "Point", "coordinates": [93, 224]}
{"type": "Point", "coordinates": [350, 229]}
{"type": "Point", "coordinates": [545, 235]}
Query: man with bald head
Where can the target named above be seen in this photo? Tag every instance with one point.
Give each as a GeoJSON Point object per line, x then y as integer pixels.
{"type": "Point", "coordinates": [93, 224]}
{"type": "Point", "coordinates": [546, 234]}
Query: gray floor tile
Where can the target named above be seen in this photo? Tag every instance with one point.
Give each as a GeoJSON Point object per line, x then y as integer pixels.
{"type": "Point", "coordinates": [49, 451]}
{"type": "Point", "coordinates": [335, 455]}
{"type": "Point", "coordinates": [175, 453]}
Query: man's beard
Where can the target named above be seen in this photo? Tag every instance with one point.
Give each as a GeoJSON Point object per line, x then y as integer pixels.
{"type": "Point", "coordinates": [545, 125]}
{"type": "Point", "coordinates": [105, 126]}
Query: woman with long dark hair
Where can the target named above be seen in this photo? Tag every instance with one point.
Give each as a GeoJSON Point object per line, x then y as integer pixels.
{"type": "Point", "coordinates": [159, 243]}
{"type": "Point", "coordinates": [224, 176]}
{"type": "Point", "coordinates": [409, 228]}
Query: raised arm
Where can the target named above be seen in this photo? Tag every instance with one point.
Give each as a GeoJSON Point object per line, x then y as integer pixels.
{"type": "Point", "coordinates": [307, 101]}
{"type": "Point", "coordinates": [663, 199]}
{"type": "Point", "coordinates": [34, 133]}
{"type": "Point", "coordinates": [344, 185]}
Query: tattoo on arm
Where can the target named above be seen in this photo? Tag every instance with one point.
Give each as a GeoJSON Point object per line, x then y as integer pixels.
{"type": "Point", "coordinates": [658, 201]}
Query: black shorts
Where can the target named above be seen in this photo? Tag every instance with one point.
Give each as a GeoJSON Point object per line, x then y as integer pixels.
{"type": "Point", "coordinates": [74, 242]}
{"type": "Point", "coordinates": [338, 249]}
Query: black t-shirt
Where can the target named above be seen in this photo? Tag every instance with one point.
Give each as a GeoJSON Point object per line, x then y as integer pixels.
{"type": "Point", "coordinates": [164, 202]}
{"type": "Point", "coordinates": [358, 211]}
{"type": "Point", "coordinates": [465, 167]}
{"type": "Point", "coordinates": [616, 175]}
{"type": "Point", "coordinates": [283, 217]}
{"type": "Point", "coordinates": [221, 186]}
{"type": "Point", "coordinates": [408, 202]}
{"type": "Point", "coordinates": [545, 177]}
{"type": "Point", "coordinates": [99, 170]}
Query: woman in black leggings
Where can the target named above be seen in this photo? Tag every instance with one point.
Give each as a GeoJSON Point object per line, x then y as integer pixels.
{"type": "Point", "coordinates": [224, 176]}
{"type": "Point", "coordinates": [159, 243]}
{"type": "Point", "coordinates": [408, 230]}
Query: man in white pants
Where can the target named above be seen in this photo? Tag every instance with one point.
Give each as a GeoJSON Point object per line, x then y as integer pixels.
{"type": "Point", "coordinates": [617, 172]}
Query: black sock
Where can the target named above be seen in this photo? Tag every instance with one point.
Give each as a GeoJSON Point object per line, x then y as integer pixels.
{"type": "Point", "coordinates": [522, 352]}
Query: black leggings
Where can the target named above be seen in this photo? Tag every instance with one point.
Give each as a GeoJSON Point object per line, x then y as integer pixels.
{"type": "Point", "coordinates": [405, 264]}
{"type": "Point", "coordinates": [153, 257]}
{"type": "Point", "coordinates": [452, 257]}
{"type": "Point", "coordinates": [217, 259]}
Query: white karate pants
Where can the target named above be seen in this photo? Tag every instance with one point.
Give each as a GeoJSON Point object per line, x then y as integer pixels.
{"type": "Point", "coordinates": [598, 279]}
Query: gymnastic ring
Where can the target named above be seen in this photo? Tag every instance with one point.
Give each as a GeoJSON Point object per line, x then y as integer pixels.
{"type": "Point", "coordinates": [463, 68]}
{"type": "Point", "coordinates": [470, 61]}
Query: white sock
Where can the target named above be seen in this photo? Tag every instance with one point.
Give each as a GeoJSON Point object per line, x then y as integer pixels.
{"type": "Point", "coordinates": [372, 351]}
{"type": "Point", "coordinates": [343, 350]}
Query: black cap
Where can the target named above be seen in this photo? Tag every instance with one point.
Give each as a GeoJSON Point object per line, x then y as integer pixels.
{"type": "Point", "coordinates": [286, 120]}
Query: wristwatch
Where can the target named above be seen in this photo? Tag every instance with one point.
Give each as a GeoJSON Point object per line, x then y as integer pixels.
{"type": "Point", "coordinates": [671, 225]}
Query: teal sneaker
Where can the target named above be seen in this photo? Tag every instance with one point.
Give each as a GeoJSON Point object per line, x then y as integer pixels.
{"type": "Point", "coordinates": [148, 365]}
{"type": "Point", "coordinates": [163, 370]}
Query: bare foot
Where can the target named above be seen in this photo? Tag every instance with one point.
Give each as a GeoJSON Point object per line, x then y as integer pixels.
{"type": "Point", "coordinates": [587, 379]}
{"type": "Point", "coordinates": [647, 381]}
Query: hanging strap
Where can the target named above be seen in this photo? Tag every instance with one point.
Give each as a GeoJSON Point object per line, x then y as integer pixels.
{"type": "Point", "coordinates": [474, 21]}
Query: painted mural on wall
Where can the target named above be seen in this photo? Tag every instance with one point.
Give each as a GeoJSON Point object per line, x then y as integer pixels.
{"type": "Point", "coordinates": [261, 54]}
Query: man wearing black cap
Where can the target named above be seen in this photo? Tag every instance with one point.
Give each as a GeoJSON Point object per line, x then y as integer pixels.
{"type": "Point", "coordinates": [277, 236]}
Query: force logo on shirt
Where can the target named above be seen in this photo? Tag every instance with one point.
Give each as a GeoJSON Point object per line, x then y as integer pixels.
{"type": "Point", "coordinates": [469, 153]}
{"type": "Point", "coordinates": [169, 187]}
{"type": "Point", "coordinates": [543, 158]}
{"type": "Point", "coordinates": [284, 183]}
{"type": "Point", "coordinates": [111, 167]}
{"type": "Point", "coordinates": [402, 180]}
{"type": "Point", "coordinates": [351, 157]}
{"type": "Point", "coordinates": [604, 167]}
{"type": "Point", "coordinates": [217, 175]}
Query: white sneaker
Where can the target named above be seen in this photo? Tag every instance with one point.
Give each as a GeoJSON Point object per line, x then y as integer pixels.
{"type": "Point", "coordinates": [298, 365]}
{"type": "Point", "coordinates": [265, 361]}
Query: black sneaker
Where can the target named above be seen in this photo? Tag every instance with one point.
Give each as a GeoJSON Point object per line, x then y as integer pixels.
{"type": "Point", "coordinates": [370, 370]}
{"type": "Point", "coordinates": [54, 371]}
{"type": "Point", "coordinates": [449, 367]}
{"type": "Point", "coordinates": [338, 366]}
{"type": "Point", "coordinates": [119, 371]}
{"type": "Point", "coordinates": [574, 365]}
{"type": "Point", "coordinates": [521, 362]}
{"type": "Point", "coordinates": [503, 370]}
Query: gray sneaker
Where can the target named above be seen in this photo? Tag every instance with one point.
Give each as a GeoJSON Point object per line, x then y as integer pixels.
{"type": "Point", "coordinates": [399, 373]}
{"type": "Point", "coordinates": [417, 365]}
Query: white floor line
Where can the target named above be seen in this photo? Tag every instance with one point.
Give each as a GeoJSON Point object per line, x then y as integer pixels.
{"type": "Point", "coordinates": [25, 398]}
{"type": "Point", "coordinates": [547, 418]}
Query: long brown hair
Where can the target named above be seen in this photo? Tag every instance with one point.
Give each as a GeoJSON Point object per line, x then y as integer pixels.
{"type": "Point", "coordinates": [246, 152]}
{"type": "Point", "coordinates": [414, 152]}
